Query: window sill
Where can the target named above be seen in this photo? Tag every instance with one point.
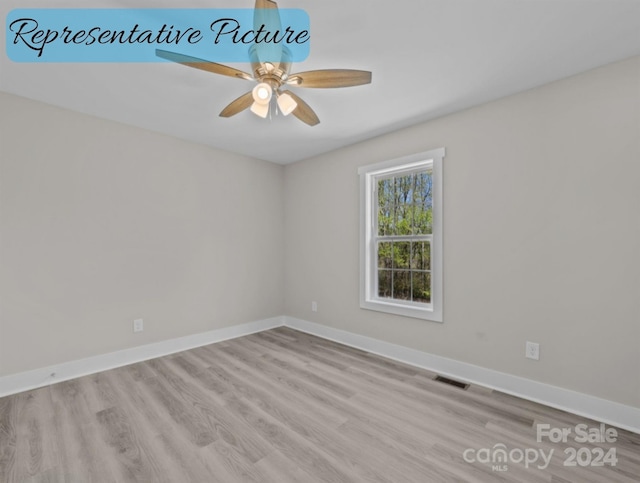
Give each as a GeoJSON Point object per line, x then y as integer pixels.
{"type": "Point", "coordinates": [406, 310]}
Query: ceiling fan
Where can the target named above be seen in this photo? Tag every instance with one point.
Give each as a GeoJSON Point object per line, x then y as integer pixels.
{"type": "Point", "coordinates": [272, 77]}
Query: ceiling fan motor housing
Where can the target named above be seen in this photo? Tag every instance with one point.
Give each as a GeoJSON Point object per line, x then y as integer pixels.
{"type": "Point", "coordinates": [272, 73]}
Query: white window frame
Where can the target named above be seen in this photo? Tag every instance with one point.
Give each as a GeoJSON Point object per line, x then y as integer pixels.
{"type": "Point", "coordinates": [368, 232]}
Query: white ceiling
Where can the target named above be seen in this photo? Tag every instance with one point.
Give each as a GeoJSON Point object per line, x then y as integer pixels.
{"type": "Point", "coordinates": [428, 58]}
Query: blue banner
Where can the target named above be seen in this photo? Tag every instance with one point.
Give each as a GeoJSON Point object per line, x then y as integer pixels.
{"type": "Point", "coordinates": [133, 35]}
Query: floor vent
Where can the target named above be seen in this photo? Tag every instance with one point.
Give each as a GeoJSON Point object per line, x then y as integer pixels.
{"type": "Point", "coordinates": [452, 382]}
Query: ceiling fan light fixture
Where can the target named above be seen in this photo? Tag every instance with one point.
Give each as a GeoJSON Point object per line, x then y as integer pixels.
{"type": "Point", "coordinates": [260, 109]}
{"type": "Point", "coordinates": [262, 93]}
{"type": "Point", "coordinates": [272, 74]}
{"type": "Point", "coordinates": [286, 103]}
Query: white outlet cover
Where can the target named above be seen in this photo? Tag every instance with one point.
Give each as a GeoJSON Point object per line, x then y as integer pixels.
{"type": "Point", "coordinates": [138, 325]}
{"type": "Point", "coordinates": [532, 351]}
{"type": "Point", "coordinates": [314, 306]}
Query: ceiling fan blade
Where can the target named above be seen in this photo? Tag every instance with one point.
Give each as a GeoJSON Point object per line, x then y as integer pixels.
{"type": "Point", "coordinates": [202, 64]}
{"type": "Point", "coordinates": [264, 4]}
{"type": "Point", "coordinates": [303, 111]}
{"type": "Point", "coordinates": [329, 78]}
{"type": "Point", "coordinates": [266, 13]}
{"type": "Point", "coordinates": [240, 104]}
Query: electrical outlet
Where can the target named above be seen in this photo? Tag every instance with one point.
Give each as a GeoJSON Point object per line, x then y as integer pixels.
{"type": "Point", "coordinates": [532, 351]}
{"type": "Point", "coordinates": [314, 306]}
{"type": "Point", "coordinates": [138, 325]}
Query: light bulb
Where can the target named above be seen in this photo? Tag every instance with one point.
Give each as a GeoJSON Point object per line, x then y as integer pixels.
{"type": "Point", "coordinates": [262, 93]}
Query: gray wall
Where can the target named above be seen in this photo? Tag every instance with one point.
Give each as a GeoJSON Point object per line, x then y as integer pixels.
{"type": "Point", "coordinates": [103, 223]}
{"type": "Point", "coordinates": [542, 235]}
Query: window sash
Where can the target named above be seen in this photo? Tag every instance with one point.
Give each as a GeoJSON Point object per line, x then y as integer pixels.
{"type": "Point", "coordinates": [376, 239]}
{"type": "Point", "coordinates": [423, 167]}
{"type": "Point", "coordinates": [375, 269]}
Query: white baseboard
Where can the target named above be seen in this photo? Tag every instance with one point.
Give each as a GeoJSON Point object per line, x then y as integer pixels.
{"type": "Point", "coordinates": [609, 412]}
{"type": "Point", "coordinates": [28, 380]}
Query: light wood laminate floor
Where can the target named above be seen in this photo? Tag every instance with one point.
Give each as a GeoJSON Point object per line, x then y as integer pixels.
{"type": "Point", "coordinates": [283, 406]}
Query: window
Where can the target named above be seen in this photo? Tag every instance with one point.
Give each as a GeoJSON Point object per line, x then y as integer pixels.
{"type": "Point", "coordinates": [401, 236]}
